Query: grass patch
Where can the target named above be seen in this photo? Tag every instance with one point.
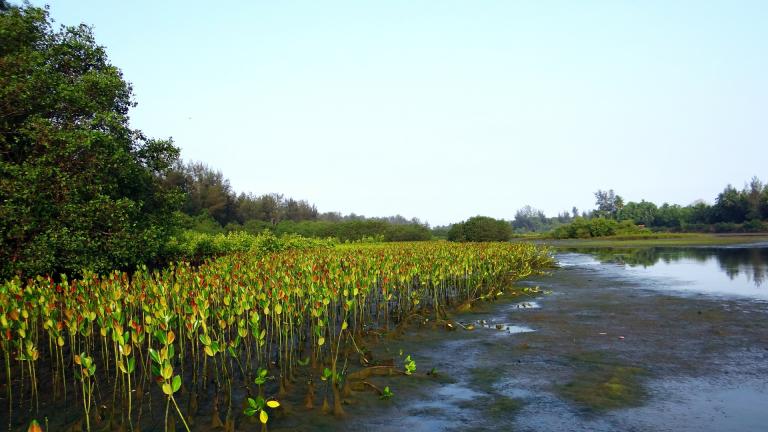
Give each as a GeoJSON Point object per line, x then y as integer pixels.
{"type": "Point", "coordinates": [602, 385]}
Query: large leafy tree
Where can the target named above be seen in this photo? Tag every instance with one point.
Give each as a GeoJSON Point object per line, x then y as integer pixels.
{"type": "Point", "coordinates": [79, 189]}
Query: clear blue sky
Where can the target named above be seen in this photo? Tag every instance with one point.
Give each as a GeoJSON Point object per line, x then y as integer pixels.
{"type": "Point", "coordinates": [447, 109]}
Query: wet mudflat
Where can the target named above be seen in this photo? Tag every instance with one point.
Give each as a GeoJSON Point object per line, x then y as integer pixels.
{"type": "Point", "coordinates": [623, 340]}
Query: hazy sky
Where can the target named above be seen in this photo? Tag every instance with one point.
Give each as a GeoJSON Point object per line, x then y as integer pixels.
{"type": "Point", "coordinates": [447, 109]}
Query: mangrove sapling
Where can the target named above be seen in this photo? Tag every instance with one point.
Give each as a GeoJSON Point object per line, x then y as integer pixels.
{"type": "Point", "coordinates": [212, 348]}
{"type": "Point", "coordinates": [259, 406]}
{"type": "Point", "coordinates": [338, 411]}
{"type": "Point", "coordinates": [233, 353]}
{"type": "Point", "coordinates": [163, 369]}
{"type": "Point", "coordinates": [386, 394]}
{"type": "Point", "coordinates": [234, 315]}
{"type": "Point", "coordinates": [260, 380]}
{"type": "Point", "coordinates": [126, 364]}
{"type": "Point", "coordinates": [409, 365]}
{"type": "Point", "coordinates": [84, 372]}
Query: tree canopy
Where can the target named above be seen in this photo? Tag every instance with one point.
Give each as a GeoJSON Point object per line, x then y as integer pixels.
{"type": "Point", "coordinates": [79, 188]}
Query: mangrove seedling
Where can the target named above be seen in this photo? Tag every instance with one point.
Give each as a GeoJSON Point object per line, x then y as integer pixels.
{"type": "Point", "coordinates": [85, 373]}
{"type": "Point", "coordinates": [163, 370]}
{"type": "Point", "coordinates": [261, 378]}
{"type": "Point", "coordinates": [259, 406]}
{"type": "Point", "coordinates": [410, 365]}
{"type": "Point", "coordinates": [386, 394]}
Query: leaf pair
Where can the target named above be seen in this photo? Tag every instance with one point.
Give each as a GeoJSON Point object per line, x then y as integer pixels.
{"type": "Point", "coordinates": [259, 406]}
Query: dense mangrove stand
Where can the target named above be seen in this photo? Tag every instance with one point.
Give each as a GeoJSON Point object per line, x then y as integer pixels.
{"type": "Point", "coordinates": [229, 338]}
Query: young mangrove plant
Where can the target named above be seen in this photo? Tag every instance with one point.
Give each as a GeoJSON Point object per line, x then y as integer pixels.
{"type": "Point", "coordinates": [409, 365]}
{"type": "Point", "coordinates": [259, 406]}
{"type": "Point", "coordinates": [85, 371]}
{"type": "Point", "coordinates": [154, 340]}
{"type": "Point", "coordinates": [386, 394]}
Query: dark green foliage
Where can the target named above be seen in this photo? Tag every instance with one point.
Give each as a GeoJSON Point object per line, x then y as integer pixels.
{"type": "Point", "coordinates": [670, 216]}
{"type": "Point", "coordinates": [208, 193]}
{"type": "Point", "coordinates": [204, 223]}
{"type": "Point", "coordinates": [79, 189]}
{"type": "Point", "coordinates": [440, 232]}
{"type": "Point", "coordinates": [353, 230]}
{"type": "Point", "coordinates": [731, 206]}
{"type": "Point", "coordinates": [734, 211]}
{"type": "Point", "coordinates": [196, 246]}
{"type": "Point", "coordinates": [643, 212]}
{"type": "Point", "coordinates": [480, 229]}
{"type": "Point", "coordinates": [596, 227]}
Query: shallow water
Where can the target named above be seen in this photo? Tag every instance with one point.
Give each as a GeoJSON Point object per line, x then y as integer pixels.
{"type": "Point", "coordinates": [725, 271]}
{"type": "Point", "coordinates": [631, 339]}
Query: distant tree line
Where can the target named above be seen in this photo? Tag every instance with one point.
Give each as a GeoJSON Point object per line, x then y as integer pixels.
{"type": "Point", "coordinates": [211, 206]}
{"type": "Point", "coordinates": [734, 210]}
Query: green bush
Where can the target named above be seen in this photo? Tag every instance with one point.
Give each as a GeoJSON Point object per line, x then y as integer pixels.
{"type": "Point", "coordinates": [480, 229]}
{"type": "Point", "coordinates": [597, 227]}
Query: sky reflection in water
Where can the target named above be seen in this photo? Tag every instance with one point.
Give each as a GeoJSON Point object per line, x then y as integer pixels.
{"type": "Point", "coordinates": [740, 271]}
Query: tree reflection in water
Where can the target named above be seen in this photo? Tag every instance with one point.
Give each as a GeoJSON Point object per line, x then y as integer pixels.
{"type": "Point", "coordinates": [733, 261]}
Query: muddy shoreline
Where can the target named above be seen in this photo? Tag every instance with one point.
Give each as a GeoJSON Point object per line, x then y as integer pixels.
{"type": "Point", "coordinates": [606, 353]}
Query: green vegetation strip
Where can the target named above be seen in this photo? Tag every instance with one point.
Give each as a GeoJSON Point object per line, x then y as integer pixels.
{"type": "Point", "coordinates": [243, 323]}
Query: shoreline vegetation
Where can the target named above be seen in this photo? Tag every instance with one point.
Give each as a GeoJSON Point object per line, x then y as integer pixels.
{"type": "Point", "coordinates": [241, 328]}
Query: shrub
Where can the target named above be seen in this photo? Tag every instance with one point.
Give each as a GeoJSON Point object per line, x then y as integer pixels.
{"type": "Point", "coordinates": [597, 227]}
{"type": "Point", "coordinates": [480, 229]}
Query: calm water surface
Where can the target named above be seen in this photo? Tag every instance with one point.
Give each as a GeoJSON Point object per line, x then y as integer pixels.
{"type": "Point", "coordinates": [724, 271]}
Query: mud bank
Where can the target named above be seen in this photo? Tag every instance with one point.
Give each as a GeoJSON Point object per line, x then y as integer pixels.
{"type": "Point", "coordinates": [605, 349]}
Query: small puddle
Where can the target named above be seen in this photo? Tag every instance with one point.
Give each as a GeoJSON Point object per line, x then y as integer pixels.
{"type": "Point", "coordinates": [526, 305]}
{"type": "Point", "coordinates": [500, 327]}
